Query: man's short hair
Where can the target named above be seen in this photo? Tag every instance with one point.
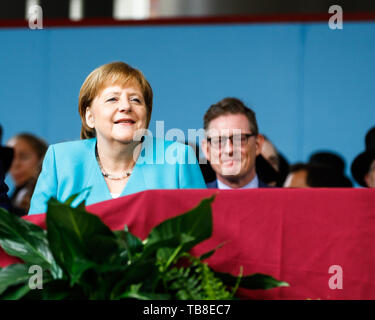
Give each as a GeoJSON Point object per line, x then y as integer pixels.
{"type": "Point", "coordinates": [230, 106]}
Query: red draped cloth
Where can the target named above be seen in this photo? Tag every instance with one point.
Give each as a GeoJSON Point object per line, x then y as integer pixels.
{"type": "Point", "coordinates": [295, 235]}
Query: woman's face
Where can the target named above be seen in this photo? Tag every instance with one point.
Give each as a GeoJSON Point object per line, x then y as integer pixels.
{"type": "Point", "coordinates": [25, 163]}
{"type": "Point", "coordinates": [117, 113]}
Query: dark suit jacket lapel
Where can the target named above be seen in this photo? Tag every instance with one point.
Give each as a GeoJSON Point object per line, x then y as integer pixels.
{"type": "Point", "coordinates": [212, 185]}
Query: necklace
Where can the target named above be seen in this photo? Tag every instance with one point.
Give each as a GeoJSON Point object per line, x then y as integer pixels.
{"type": "Point", "coordinates": [123, 175]}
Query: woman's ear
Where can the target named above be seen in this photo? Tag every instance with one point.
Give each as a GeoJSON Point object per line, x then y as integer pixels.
{"type": "Point", "coordinates": [90, 118]}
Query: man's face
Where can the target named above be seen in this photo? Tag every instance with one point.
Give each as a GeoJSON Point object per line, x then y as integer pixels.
{"type": "Point", "coordinates": [230, 148]}
{"type": "Point", "coordinates": [370, 177]}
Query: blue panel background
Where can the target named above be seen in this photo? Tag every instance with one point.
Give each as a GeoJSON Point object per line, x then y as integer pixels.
{"type": "Point", "coordinates": [312, 88]}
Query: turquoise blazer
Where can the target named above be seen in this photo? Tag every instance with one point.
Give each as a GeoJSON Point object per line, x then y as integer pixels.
{"type": "Point", "coordinates": [71, 167]}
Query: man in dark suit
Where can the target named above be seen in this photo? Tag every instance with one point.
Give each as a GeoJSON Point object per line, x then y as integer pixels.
{"type": "Point", "coordinates": [232, 144]}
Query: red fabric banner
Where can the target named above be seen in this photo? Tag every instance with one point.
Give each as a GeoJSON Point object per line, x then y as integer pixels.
{"type": "Point", "coordinates": [311, 238]}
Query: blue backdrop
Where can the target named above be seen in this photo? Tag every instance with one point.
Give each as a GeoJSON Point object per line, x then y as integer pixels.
{"type": "Point", "coordinates": [312, 88]}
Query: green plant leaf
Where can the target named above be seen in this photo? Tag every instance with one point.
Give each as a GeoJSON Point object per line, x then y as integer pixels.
{"type": "Point", "coordinates": [255, 281]}
{"type": "Point", "coordinates": [208, 254]}
{"type": "Point", "coordinates": [195, 282]}
{"type": "Point", "coordinates": [129, 242]}
{"type": "Point", "coordinates": [146, 296]}
{"type": "Point", "coordinates": [142, 270]}
{"type": "Point", "coordinates": [27, 241]}
{"type": "Point", "coordinates": [58, 290]}
{"type": "Point", "coordinates": [184, 231]}
{"type": "Point", "coordinates": [133, 243]}
{"type": "Point", "coordinates": [135, 292]}
{"type": "Point", "coordinates": [163, 254]}
{"type": "Point", "coordinates": [89, 261]}
{"type": "Point", "coordinates": [13, 275]}
{"type": "Point", "coordinates": [78, 240]}
{"type": "Point", "coordinates": [71, 199]}
{"type": "Point", "coordinates": [16, 292]}
{"type": "Point", "coordinates": [82, 205]}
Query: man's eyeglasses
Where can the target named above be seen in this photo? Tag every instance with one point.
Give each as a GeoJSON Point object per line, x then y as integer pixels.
{"type": "Point", "coordinates": [236, 139]}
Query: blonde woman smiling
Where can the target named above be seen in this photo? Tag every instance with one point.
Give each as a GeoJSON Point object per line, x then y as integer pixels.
{"type": "Point", "coordinates": [115, 104]}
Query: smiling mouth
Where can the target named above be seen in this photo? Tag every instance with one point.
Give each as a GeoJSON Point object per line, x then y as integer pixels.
{"type": "Point", "coordinates": [230, 160]}
{"type": "Point", "coordinates": [125, 121]}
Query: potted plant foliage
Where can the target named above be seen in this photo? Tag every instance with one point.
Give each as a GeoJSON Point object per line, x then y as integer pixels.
{"type": "Point", "coordinates": [81, 258]}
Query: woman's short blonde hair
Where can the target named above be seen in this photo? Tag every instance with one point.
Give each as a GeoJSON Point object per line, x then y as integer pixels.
{"type": "Point", "coordinates": [110, 74]}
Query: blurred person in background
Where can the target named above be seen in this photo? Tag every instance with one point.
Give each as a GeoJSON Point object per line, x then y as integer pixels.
{"type": "Point", "coordinates": [276, 160]}
{"type": "Point", "coordinates": [265, 171]}
{"type": "Point", "coordinates": [283, 170]}
{"type": "Point", "coordinates": [29, 152]}
{"type": "Point", "coordinates": [324, 170]}
{"type": "Point", "coordinates": [327, 169]}
{"type": "Point", "coordinates": [269, 152]}
{"type": "Point", "coordinates": [115, 106]}
{"type": "Point", "coordinates": [363, 166]}
{"type": "Point", "coordinates": [297, 177]}
{"type": "Point", "coordinates": [6, 157]}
